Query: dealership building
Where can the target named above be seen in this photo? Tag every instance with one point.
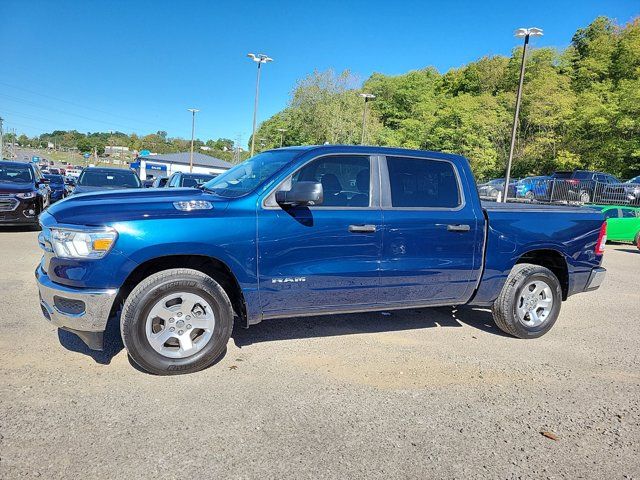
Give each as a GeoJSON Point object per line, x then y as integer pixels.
{"type": "Point", "coordinates": [153, 166]}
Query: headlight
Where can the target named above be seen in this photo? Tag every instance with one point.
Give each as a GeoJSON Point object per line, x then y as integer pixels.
{"type": "Point", "coordinates": [69, 243]}
{"type": "Point", "coordinates": [26, 195]}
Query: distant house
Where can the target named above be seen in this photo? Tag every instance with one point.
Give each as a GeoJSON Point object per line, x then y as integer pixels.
{"type": "Point", "coordinates": [163, 165]}
{"type": "Point", "coordinates": [113, 150]}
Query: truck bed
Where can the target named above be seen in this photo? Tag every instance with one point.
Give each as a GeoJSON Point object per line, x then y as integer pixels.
{"type": "Point", "coordinates": [515, 229]}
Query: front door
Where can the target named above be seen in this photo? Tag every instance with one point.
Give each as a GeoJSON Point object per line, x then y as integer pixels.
{"type": "Point", "coordinates": [431, 236]}
{"type": "Point", "coordinates": [324, 257]}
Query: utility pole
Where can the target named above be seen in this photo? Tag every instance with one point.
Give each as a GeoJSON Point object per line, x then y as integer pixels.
{"type": "Point", "coordinates": [1, 140]}
{"type": "Point", "coordinates": [259, 59]}
{"type": "Point", "coordinates": [367, 97]}
{"type": "Point", "coordinates": [193, 131]}
{"type": "Point", "coordinates": [526, 33]}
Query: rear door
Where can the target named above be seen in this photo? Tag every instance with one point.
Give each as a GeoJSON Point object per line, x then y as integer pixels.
{"type": "Point", "coordinates": [431, 233]}
{"type": "Point", "coordinates": [323, 257]}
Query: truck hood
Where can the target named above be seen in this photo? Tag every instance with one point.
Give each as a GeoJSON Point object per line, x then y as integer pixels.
{"type": "Point", "coordinates": [15, 187]}
{"type": "Point", "coordinates": [106, 207]}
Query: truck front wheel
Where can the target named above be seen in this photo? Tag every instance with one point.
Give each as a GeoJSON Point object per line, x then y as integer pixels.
{"type": "Point", "coordinates": [529, 302]}
{"type": "Point", "coordinates": [176, 321]}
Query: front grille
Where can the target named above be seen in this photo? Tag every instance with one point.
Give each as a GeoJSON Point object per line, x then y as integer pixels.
{"type": "Point", "coordinates": [8, 203]}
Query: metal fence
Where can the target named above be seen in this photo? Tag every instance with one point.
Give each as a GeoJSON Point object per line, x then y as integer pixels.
{"type": "Point", "coordinates": [569, 191]}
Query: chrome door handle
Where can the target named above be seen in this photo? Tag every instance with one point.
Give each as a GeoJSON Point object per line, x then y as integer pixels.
{"type": "Point", "coordinates": [362, 228]}
{"type": "Point", "coordinates": [458, 228]}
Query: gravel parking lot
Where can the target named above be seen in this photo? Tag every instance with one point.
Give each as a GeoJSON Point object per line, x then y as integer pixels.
{"type": "Point", "coordinates": [415, 394]}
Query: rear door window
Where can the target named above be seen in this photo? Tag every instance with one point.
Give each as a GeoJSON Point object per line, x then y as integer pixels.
{"type": "Point", "coordinates": [628, 213]}
{"type": "Point", "coordinates": [611, 213]}
{"type": "Point", "coordinates": [423, 183]}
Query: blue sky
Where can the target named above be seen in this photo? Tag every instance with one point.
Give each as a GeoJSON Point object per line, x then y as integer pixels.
{"type": "Point", "coordinates": [136, 66]}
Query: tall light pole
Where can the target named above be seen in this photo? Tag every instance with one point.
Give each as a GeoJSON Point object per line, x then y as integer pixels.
{"type": "Point", "coordinates": [520, 33]}
{"type": "Point", "coordinates": [193, 131]}
{"type": "Point", "coordinates": [1, 140]}
{"type": "Point", "coordinates": [367, 97]}
{"type": "Point", "coordinates": [281, 130]}
{"type": "Point", "coordinates": [259, 59]}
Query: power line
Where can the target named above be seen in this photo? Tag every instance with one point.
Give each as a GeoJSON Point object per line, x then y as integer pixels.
{"type": "Point", "coordinates": [57, 99]}
{"type": "Point", "coordinates": [84, 117]}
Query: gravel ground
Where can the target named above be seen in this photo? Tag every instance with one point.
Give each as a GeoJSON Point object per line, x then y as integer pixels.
{"type": "Point", "coordinates": [415, 394]}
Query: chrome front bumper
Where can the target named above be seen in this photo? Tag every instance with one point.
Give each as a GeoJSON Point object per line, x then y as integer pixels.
{"type": "Point", "coordinates": [595, 279]}
{"type": "Point", "coordinates": [75, 309]}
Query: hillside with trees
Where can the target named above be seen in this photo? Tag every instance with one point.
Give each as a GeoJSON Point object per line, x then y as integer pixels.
{"type": "Point", "coordinates": [580, 107]}
{"type": "Point", "coordinates": [157, 142]}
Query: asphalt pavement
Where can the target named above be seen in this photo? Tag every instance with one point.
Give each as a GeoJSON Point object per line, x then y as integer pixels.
{"type": "Point", "coordinates": [433, 393]}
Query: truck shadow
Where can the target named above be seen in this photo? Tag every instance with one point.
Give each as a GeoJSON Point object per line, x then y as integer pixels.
{"type": "Point", "coordinates": [112, 343]}
{"type": "Point", "coordinates": [372, 322]}
{"type": "Point", "coordinates": [313, 327]}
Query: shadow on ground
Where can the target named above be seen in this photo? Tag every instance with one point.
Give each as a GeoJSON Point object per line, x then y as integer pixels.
{"type": "Point", "coordinates": [19, 228]}
{"type": "Point", "coordinates": [314, 327]}
{"type": "Point", "coordinates": [112, 343]}
{"type": "Point", "coordinates": [371, 322]}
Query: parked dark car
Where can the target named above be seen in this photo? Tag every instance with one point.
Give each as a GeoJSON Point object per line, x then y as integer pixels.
{"type": "Point", "coordinates": [492, 188]}
{"type": "Point", "coordinates": [159, 182]}
{"type": "Point", "coordinates": [57, 186]}
{"type": "Point", "coordinates": [623, 193]}
{"type": "Point", "coordinates": [584, 186]}
{"type": "Point", "coordinates": [24, 193]}
{"type": "Point", "coordinates": [97, 178]}
{"type": "Point", "coordinates": [180, 179]}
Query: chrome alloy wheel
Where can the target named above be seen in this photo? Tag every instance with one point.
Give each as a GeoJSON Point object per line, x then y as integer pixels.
{"type": "Point", "coordinates": [180, 324]}
{"type": "Point", "coordinates": [535, 303]}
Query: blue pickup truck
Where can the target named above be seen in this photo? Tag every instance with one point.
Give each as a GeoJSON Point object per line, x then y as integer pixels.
{"type": "Point", "coordinates": [305, 231]}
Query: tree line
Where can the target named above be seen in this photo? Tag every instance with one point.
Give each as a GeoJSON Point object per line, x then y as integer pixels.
{"type": "Point", "coordinates": [580, 107]}
{"type": "Point", "coordinates": [157, 142]}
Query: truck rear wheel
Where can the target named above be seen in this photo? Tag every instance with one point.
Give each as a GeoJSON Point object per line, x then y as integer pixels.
{"type": "Point", "coordinates": [529, 303]}
{"type": "Point", "coordinates": [176, 321]}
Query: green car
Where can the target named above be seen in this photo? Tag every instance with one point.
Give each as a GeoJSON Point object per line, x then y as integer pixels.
{"type": "Point", "coordinates": [623, 222]}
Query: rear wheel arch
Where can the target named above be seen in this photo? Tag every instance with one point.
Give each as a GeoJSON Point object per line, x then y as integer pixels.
{"type": "Point", "coordinates": [554, 261]}
{"type": "Point", "coordinates": [210, 266]}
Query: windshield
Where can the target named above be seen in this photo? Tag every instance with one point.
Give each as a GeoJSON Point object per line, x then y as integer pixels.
{"type": "Point", "coordinates": [16, 174]}
{"type": "Point", "coordinates": [195, 180]}
{"type": "Point", "coordinates": [249, 175]}
{"type": "Point", "coordinates": [634, 180]}
{"type": "Point", "coordinates": [109, 179]}
{"type": "Point", "coordinates": [562, 175]}
{"type": "Point", "coordinates": [54, 178]}
{"type": "Point", "coordinates": [496, 181]}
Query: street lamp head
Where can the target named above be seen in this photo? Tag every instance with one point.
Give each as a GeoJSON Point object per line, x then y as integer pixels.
{"type": "Point", "coordinates": [367, 96]}
{"type": "Point", "coordinates": [260, 58]}
{"type": "Point", "coordinates": [193, 110]}
{"type": "Point", "coordinates": [531, 32]}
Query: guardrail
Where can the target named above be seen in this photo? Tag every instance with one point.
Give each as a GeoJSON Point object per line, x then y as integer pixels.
{"type": "Point", "coordinates": [569, 191]}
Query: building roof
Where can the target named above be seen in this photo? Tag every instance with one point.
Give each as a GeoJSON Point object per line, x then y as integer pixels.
{"type": "Point", "coordinates": [199, 159]}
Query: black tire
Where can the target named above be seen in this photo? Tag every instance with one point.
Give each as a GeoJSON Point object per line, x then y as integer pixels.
{"type": "Point", "coordinates": [529, 195]}
{"type": "Point", "coordinates": [505, 307]}
{"type": "Point", "coordinates": [146, 294]}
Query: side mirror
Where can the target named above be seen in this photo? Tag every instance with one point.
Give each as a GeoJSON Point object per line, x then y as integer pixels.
{"type": "Point", "coordinates": [301, 194]}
